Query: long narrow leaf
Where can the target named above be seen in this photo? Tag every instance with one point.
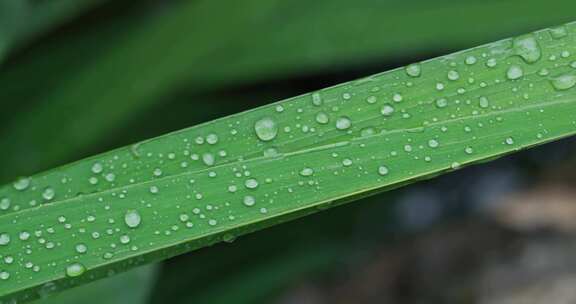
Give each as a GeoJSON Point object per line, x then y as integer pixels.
{"type": "Point", "coordinates": [235, 175]}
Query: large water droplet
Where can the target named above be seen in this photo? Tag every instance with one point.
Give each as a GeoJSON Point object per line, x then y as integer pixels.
{"type": "Point", "coordinates": [322, 118]}
{"type": "Point", "coordinates": [514, 72]}
{"type": "Point", "coordinates": [75, 270]}
{"type": "Point", "coordinates": [22, 183]}
{"type": "Point", "coordinates": [413, 70]}
{"type": "Point", "coordinates": [387, 110]}
{"type": "Point", "coordinates": [132, 218]}
{"type": "Point", "coordinates": [307, 171]}
{"type": "Point", "coordinates": [266, 129]}
{"type": "Point", "coordinates": [4, 239]}
{"type": "Point", "coordinates": [343, 123]}
{"type": "Point", "coordinates": [383, 170]}
{"type": "Point", "coordinates": [249, 201]}
{"type": "Point", "coordinates": [48, 193]}
{"type": "Point", "coordinates": [564, 82]}
{"type": "Point", "coordinates": [527, 47]}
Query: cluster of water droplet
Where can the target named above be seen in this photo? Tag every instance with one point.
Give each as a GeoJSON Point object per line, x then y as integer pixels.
{"type": "Point", "coordinates": [315, 148]}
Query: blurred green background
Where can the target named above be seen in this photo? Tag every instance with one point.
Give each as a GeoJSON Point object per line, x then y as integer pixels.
{"type": "Point", "coordinates": [80, 77]}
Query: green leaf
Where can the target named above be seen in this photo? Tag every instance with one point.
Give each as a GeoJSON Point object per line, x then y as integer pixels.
{"type": "Point", "coordinates": [123, 67]}
{"type": "Point", "coordinates": [192, 188]}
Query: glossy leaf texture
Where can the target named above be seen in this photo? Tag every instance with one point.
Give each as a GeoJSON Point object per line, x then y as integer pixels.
{"type": "Point", "coordinates": [216, 181]}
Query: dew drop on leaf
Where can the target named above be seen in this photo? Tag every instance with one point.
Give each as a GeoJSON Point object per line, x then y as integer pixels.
{"type": "Point", "coordinates": [266, 129]}
{"type": "Point", "coordinates": [75, 270]}
{"type": "Point", "coordinates": [527, 47]}
{"type": "Point", "coordinates": [514, 72]}
{"type": "Point", "coordinates": [564, 82]}
{"type": "Point", "coordinates": [132, 218]}
{"type": "Point", "coordinates": [343, 123]}
{"type": "Point", "coordinates": [22, 183]}
{"type": "Point", "coordinates": [413, 70]}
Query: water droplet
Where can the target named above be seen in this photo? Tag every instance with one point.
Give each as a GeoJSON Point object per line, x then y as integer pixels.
{"type": "Point", "coordinates": [453, 75]}
{"type": "Point", "coordinates": [413, 70]}
{"type": "Point", "coordinates": [343, 123]}
{"type": "Point", "coordinates": [266, 129]}
{"type": "Point", "coordinates": [124, 239]}
{"type": "Point", "coordinates": [514, 72]}
{"type": "Point", "coordinates": [322, 118]}
{"type": "Point", "coordinates": [22, 183]}
{"type": "Point", "coordinates": [249, 201]}
{"type": "Point", "coordinates": [48, 193]}
{"type": "Point", "coordinates": [433, 143]}
{"type": "Point", "coordinates": [383, 170]}
{"type": "Point", "coordinates": [527, 47]}
{"type": "Point", "coordinates": [81, 248]}
{"type": "Point", "coordinates": [97, 168]}
{"type": "Point", "coordinates": [509, 141]}
{"type": "Point", "coordinates": [4, 239]}
{"type": "Point", "coordinates": [558, 32]}
{"type": "Point", "coordinates": [316, 99]}
{"type": "Point", "coordinates": [251, 183]}
{"type": "Point", "coordinates": [307, 171]}
{"type": "Point", "coordinates": [397, 97]}
{"type": "Point", "coordinates": [208, 159]}
{"type": "Point", "coordinates": [5, 203]}
{"type": "Point", "coordinates": [4, 275]}
{"type": "Point", "coordinates": [441, 102]}
{"type": "Point", "coordinates": [387, 110]}
{"type": "Point", "coordinates": [154, 189]}
{"type": "Point", "coordinates": [470, 60]}
{"type": "Point", "coordinates": [484, 103]}
{"type": "Point", "coordinates": [564, 82]}
{"type": "Point", "coordinates": [75, 270]}
{"type": "Point", "coordinates": [132, 218]}
{"type": "Point", "coordinates": [212, 139]}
